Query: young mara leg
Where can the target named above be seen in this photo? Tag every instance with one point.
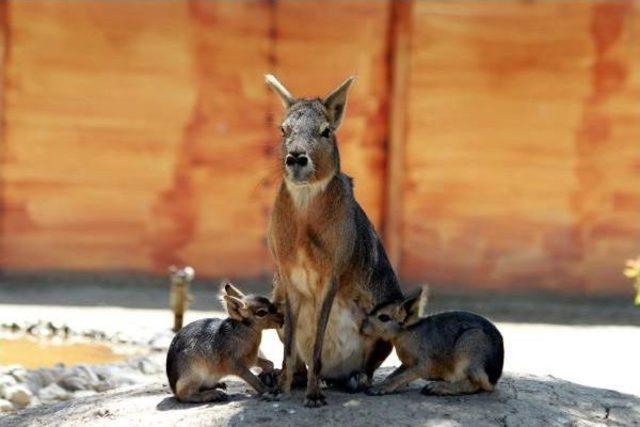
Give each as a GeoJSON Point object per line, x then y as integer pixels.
{"type": "Point", "coordinates": [471, 352]}
{"type": "Point", "coordinates": [188, 390]}
{"type": "Point", "coordinates": [398, 378]}
{"type": "Point", "coordinates": [212, 382]}
{"type": "Point", "coordinates": [220, 385]}
{"type": "Point", "coordinates": [378, 353]}
{"type": "Point", "coordinates": [268, 376]}
{"type": "Point", "coordinates": [264, 364]}
{"type": "Point", "coordinates": [244, 373]}
{"type": "Point", "coordinates": [478, 376]}
{"type": "Point", "coordinates": [443, 388]}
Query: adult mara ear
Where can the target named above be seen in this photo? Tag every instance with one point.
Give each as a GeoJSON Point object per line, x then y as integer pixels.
{"type": "Point", "coordinates": [284, 94]}
{"type": "Point", "coordinates": [336, 102]}
{"type": "Point", "coordinates": [236, 308]}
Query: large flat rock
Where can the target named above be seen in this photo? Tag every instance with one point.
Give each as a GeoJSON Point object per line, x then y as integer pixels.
{"type": "Point", "coordinates": [519, 400]}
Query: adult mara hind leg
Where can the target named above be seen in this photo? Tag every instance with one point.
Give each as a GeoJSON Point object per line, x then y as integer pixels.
{"type": "Point", "coordinates": [354, 383]}
{"type": "Point", "coordinates": [361, 380]}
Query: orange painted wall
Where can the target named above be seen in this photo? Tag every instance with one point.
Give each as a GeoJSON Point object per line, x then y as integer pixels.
{"type": "Point", "coordinates": [523, 150]}
{"type": "Point", "coordinates": [136, 135]}
{"type": "Point", "coordinates": [141, 135]}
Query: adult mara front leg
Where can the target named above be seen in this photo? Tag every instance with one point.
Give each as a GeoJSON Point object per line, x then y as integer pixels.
{"type": "Point", "coordinates": [314, 396]}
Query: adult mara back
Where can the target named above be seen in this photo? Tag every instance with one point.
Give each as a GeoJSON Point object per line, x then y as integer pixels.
{"type": "Point", "coordinates": [330, 265]}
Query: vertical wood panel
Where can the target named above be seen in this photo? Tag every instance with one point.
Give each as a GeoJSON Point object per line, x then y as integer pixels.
{"type": "Point", "coordinates": [317, 48]}
{"type": "Point", "coordinates": [96, 97]}
{"type": "Point", "coordinates": [503, 187]}
{"type": "Point", "coordinates": [607, 144]}
{"type": "Point", "coordinates": [214, 215]}
{"type": "Point", "coordinates": [4, 42]}
{"type": "Point", "coordinates": [400, 55]}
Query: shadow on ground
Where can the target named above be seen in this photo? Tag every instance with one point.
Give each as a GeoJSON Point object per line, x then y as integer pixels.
{"type": "Point", "coordinates": [143, 290]}
{"type": "Point", "coordinates": [518, 401]}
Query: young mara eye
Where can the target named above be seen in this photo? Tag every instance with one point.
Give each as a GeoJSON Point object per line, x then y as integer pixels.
{"type": "Point", "coordinates": [261, 313]}
{"type": "Point", "coordinates": [326, 132]}
{"type": "Point", "coordinates": [283, 131]}
{"type": "Point", "coordinates": [384, 318]}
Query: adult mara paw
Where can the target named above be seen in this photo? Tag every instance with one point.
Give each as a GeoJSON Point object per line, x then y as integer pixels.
{"type": "Point", "coordinates": [314, 400]}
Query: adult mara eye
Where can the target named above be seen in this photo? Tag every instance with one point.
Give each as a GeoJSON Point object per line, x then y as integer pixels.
{"type": "Point", "coordinates": [261, 313]}
{"type": "Point", "coordinates": [283, 131]}
{"type": "Point", "coordinates": [326, 132]}
{"type": "Point", "coordinates": [384, 318]}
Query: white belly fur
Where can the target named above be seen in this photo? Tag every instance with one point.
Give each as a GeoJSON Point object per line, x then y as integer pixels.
{"type": "Point", "coordinates": [343, 352]}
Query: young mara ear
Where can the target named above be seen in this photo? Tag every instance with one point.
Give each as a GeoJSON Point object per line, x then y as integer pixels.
{"type": "Point", "coordinates": [236, 308]}
{"type": "Point", "coordinates": [285, 96]}
{"type": "Point", "coordinates": [229, 289]}
{"type": "Point", "coordinates": [423, 301]}
{"type": "Point", "coordinates": [336, 102]}
{"type": "Point", "coordinates": [411, 307]}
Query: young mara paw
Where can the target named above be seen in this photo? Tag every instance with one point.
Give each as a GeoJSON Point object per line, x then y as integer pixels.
{"type": "Point", "coordinates": [435, 388]}
{"type": "Point", "coordinates": [269, 396]}
{"type": "Point", "coordinates": [376, 391]}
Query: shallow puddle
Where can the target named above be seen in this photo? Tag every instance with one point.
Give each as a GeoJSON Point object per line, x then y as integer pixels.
{"type": "Point", "coordinates": [45, 353]}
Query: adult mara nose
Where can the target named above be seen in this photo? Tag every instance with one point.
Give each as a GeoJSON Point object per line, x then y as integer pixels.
{"type": "Point", "coordinates": [296, 158]}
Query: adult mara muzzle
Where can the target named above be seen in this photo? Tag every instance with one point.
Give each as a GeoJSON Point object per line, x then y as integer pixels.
{"type": "Point", "coordinates": [298, 165]}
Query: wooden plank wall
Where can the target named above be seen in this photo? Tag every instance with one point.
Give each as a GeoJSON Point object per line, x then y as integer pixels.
{"type": "Point", "coordinates": [96, 98]}
{"type": "Point", "coordinates": [139, 135]}
{"type": "Point", "coordinates": [522, 155]}
{"type": "Point", "coordinates": [144, 135]}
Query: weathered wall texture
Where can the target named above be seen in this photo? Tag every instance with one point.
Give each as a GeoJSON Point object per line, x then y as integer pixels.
{"type": "Point", "coordinates": [136, 135]}
{"type": "Point", "coordinates": [523, 153]}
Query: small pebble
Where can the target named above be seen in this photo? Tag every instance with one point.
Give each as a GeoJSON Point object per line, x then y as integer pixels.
{"type": "Point", "coordinates": [6, 406]}
{"type": "Point", "coordinates": [352, 403]}
{"type": "Point", "coordinates": [19, 395]}
{"type": "Point", "coordinates": [53, 392]}
{"type": "Point", "coordinates": [103, 412]}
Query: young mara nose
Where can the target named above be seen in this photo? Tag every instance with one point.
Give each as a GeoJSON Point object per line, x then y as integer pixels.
{"type": "Point", "coordinates": [297, 158]}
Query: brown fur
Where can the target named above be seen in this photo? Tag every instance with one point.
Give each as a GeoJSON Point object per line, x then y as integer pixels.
{"type": "Point", "coordinates": [462, 352]}
{"type": "Point", "coordinates": [206, 350]}
{"type": "Point", "coordinates": [331, 267]}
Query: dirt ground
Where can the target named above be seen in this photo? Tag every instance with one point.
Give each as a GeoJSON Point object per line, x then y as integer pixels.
{"type": "Point", "coordinates": [569, 361]}
{"type": "Point", "coordinates": [520, 400]}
